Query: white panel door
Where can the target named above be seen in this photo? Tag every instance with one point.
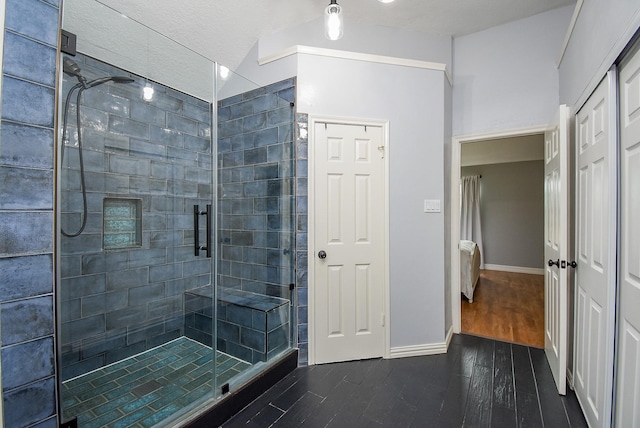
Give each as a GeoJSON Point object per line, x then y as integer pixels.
{"type": "Point", "coordinates": [595, 246]}
{"type": "Point", "coordinates": [627, 408]}
{"type": "Point", "coordinates": [556, 232]}
{"type": "Point", "coordinates": [349, 247]}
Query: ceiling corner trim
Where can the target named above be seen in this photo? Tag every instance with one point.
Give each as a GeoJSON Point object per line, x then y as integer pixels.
{"type": "Point", "coordinates": [356, 56]}
{"type": "Point", "coordinates": [572, 26]}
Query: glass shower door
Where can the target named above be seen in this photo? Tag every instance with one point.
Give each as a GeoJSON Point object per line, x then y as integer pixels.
{"type": "Point", "coordinates": [136, 224]}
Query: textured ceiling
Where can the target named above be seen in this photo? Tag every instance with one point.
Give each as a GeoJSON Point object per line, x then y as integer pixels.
{"type": "Point", "coordinates": [225, 30]}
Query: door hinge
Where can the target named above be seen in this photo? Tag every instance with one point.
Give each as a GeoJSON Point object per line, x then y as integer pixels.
{"type": "Point", "coordinates": [381, 150]}
{"type": "Point", "coordinates": [382, 319]}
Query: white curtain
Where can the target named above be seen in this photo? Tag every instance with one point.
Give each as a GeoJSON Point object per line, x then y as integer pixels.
{"type": "Point", "coordinates": [470, 228]}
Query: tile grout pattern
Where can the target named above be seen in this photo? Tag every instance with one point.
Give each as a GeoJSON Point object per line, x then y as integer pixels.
{"type": "Point", "coordinates": [479, 382]}
{"type": "Point", "coordinates": [27, 135]}
{"type": "Point", "coordinates": [146, 389]}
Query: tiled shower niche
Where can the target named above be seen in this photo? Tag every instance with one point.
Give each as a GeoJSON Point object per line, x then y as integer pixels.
{"type": "Point", "coordinates": [122, 223]}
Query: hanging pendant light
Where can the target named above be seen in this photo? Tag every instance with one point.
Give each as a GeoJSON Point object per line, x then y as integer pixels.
{"type": "Point", "coordinates": [333, 24]}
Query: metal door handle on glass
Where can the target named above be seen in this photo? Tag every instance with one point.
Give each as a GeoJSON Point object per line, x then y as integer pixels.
{"type": "Point", "coordinates": [196, 230]}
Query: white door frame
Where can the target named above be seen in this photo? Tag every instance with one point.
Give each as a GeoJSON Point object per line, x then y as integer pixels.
{"type": "Point", "coordinates": [384, 124]}
{"type": "Point", "coordinates": [456, 143]}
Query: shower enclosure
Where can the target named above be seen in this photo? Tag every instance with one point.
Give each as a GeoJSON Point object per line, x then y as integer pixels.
{"type": "Point", "coordinates": [175, 213]}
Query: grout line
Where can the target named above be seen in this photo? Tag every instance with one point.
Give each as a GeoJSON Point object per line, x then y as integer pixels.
{"type": "Point", "coordinates": [493, 372]}
{"type": "Point", "coordinates": [513, 380]}
{"type": "Point", "coordinates": [276, 407]}
{"type": "Point", "coordinates": [535, 382]}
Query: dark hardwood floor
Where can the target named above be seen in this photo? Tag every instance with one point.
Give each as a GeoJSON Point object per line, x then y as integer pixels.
{"type": "Point", "coordinates": [506, 306]}
{"type": "Point", "coordinates": [478, 383]}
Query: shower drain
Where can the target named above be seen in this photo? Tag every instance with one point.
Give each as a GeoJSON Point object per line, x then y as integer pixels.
{"type": "Point", "coordinates": [146, 388]}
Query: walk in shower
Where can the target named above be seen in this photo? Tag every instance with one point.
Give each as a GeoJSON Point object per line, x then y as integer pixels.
{"type": "Point", "coordinates": [175, 219]}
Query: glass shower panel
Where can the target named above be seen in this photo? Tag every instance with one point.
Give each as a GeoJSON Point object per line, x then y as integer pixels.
{"type": "Point", "coordinates": [256, 179]}
{"type": "Point", "coordinates": [131, 173]}
{"type": "Point", "coordinates": [135, 188]}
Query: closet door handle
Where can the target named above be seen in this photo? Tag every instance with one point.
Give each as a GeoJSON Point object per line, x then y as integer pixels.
{"type": "Point", "coordinates": [196, 230]}
{"type": "Point", "coordinates": [551, 263]}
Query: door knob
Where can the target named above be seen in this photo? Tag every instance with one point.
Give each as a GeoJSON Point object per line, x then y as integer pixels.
{"type": "Point", "coordinates": [551, 263]}
{"type": "Point", "coordinates": [573, 264]}
{"type": "Point", "coordinates": [322, 254]}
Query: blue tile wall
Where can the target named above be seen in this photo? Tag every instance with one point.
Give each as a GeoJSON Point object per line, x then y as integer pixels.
{"type": "Point", "coordinates": [26, 212]}
{"type": "Point", "coordinates": [257, 191]}
{"type": "Point", "coordinates": [250, 326]}
{"type": "Point", "coordinates": [118, 302]}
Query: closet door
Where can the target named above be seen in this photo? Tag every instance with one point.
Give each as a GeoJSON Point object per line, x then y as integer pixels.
{"type": "Point", "coordinates": [595, 284]}
{"type": "Point", "coordinates": [627, 412]}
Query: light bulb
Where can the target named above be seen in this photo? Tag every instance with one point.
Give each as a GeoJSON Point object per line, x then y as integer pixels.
{"type": "Point", "coordinates": [224, 72]}
{"type": "Point", "coordinates": [147, 92]}
{"type": "Point", "coordinates": [333, 26]}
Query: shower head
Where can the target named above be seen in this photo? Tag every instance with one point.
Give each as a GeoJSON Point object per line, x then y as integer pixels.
{"type": "Point", "coordinates": [116, 79]}
{"type": "Point", "coordinates": [70, 67]}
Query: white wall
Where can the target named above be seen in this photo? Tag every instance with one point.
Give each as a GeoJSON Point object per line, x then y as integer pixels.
{"type": "Point", "coordinates": [448, 316]}
{"type": "Point", "coordinates": [602, 30]}
{"type": "Point", "coordinates": [506, 77]}
{"type": "Point", "coordinates": [413, 101]}
{"type": "Point", "coordinates": [268, 73]}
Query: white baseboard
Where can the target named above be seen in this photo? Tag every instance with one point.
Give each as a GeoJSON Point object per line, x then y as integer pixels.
{"type": "Point", "coordinates": [515, 269]}
{"type": "Point", "coordinates": [421, 350]}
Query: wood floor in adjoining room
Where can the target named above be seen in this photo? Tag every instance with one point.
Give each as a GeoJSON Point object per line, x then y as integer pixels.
{"type": "Point", "coordinates": [506, 306]}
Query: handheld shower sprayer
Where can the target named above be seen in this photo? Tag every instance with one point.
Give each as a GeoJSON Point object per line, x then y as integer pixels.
{"type": "Point", "coordinates": [71, 68]}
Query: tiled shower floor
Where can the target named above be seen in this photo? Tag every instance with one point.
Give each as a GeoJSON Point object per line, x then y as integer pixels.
{"type": "Point", "coordinates": [143, 390]}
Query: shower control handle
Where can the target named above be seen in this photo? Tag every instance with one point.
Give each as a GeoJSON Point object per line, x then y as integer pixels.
{"type": "Point", "coordinates": [322, 254]}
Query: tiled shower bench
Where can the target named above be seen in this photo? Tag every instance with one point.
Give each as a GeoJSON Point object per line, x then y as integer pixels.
{"type": "Point", "coordinates": [252, 327]}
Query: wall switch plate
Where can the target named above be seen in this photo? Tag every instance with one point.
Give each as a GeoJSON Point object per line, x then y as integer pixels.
{"type": "Point", "coordinates": [432, 205]}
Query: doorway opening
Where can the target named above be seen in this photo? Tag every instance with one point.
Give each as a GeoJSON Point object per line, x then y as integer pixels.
{"type": "Point", "coordinates": [505, 297]}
